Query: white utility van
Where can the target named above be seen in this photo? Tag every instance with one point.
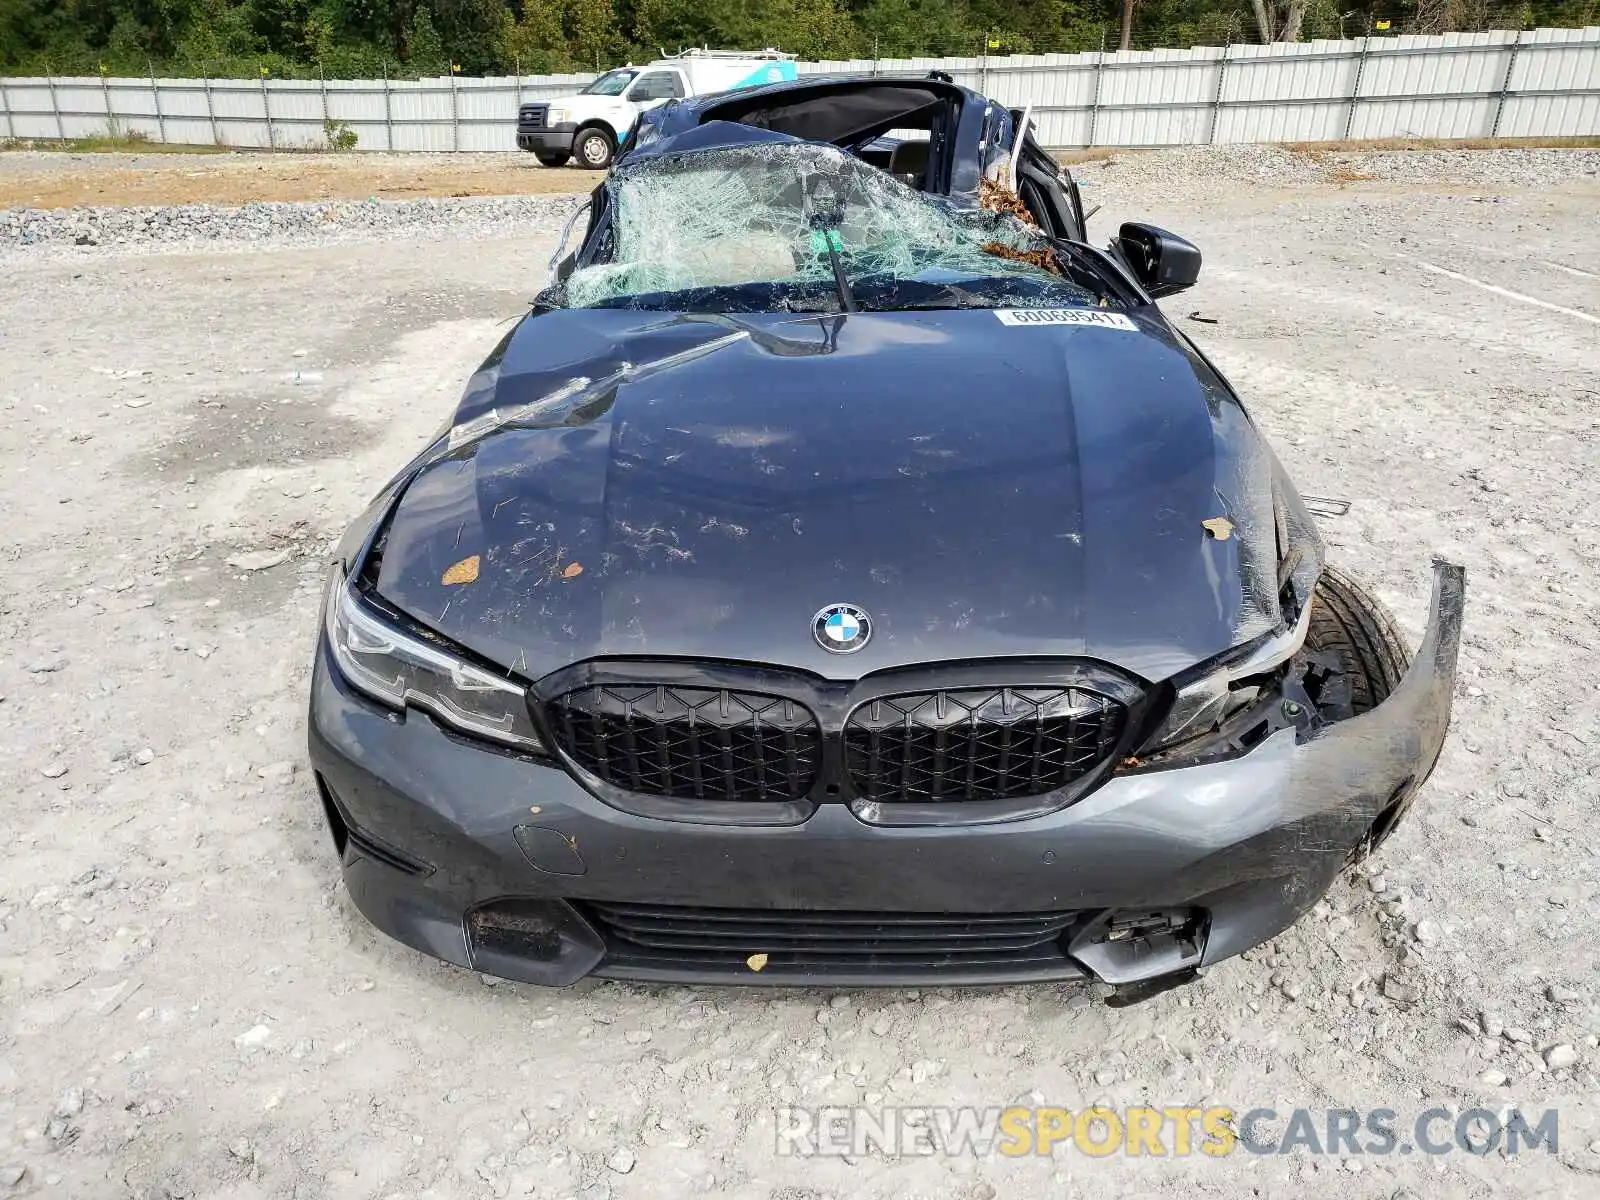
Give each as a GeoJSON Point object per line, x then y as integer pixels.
{"type": "Point", "coordinates": [593, 123]}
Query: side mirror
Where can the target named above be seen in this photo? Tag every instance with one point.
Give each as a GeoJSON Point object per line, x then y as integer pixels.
{"type": "Point", "coordinates": [1162, 262]}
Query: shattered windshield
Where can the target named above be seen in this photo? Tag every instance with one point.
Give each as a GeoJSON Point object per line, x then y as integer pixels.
{"type": "Point", "coordinates": [804, 226]}
{"type": "Point", "coordinates": [612, 83]}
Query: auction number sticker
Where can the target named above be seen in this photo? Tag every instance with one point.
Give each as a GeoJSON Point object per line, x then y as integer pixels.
{"type": "Point", "coordinates": [1097, 317]}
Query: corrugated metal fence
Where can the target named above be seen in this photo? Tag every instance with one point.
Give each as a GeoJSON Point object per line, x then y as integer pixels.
{"type": "Point", "coordinates": [1532, 83]}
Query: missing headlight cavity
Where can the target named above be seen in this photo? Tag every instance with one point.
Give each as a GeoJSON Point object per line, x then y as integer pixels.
{"type": "Point", "coordinates": [1311, 691]}
{"type": "Point", "coordinates": [1352, 658]}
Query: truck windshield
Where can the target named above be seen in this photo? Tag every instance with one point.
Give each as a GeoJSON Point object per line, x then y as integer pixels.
{"type": "Point", "coordinates": [760, 228]}
{"type": "Point", "coordinates": [612, 83]}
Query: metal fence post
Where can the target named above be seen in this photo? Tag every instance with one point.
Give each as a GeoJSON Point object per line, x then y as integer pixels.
{"type": "Point", "coordinates": [1094, 101]}
{"type": "Point", "coordinates": [61, 130]}
{"type": "Point", "coordinates": [105, 98]}
{"type": "Point", "coordinates": [1216, 101]}
{"type": "Point", "coordinates": [322, 79]}
{"type": "Point", "coordinates": [266, 111]}
{"type": "Point", "coordinates": [211, 111]}
{"type": "Point", "coordinates": [155, 98]}
{"type": "Point", "coordinates": [455, 114]}
{"type": "Point", "coordinates": [1355, 91]}
{"type": "Point", "coordinates": [5, 111]}
{"type": "Point", "coordinates": [1505, 85]}
{"type": "Point", "coordinates": [388, 111]}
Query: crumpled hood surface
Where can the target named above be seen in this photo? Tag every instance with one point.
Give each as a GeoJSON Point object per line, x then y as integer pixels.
{"type": "Point", "coordinates": [980, 489]}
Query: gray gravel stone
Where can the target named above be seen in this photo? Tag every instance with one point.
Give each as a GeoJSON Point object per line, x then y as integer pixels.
{"type": "Point", "coordinates": [71, 1102]}
{"type": "Point", "coordinates": [1560, 1057]}
{"type": "Point", "coordinates": [259, 560]}
{"type": "Point", "coordinates": [1399, 991]}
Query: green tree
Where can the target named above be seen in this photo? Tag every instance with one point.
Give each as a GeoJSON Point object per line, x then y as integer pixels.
{"type": "Point", "coordinates": [424, 49]}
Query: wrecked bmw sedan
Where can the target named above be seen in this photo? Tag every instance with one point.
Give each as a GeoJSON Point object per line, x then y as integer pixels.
{"type": "Point", "coordinates": [845, 574]}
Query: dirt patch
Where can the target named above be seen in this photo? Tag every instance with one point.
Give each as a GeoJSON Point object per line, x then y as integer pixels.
{"type": "Point", "coordinates": [1360, 144]}
{"type": "Point", "coordinates": [69, 180]}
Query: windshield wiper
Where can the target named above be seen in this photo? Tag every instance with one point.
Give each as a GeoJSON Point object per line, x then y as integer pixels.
{"type": "Point", "coordinates": [825, 238]}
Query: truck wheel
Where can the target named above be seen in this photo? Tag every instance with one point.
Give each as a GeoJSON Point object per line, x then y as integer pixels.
{"type": "Point", "coordinates": [1352, 624]}
{"type": "Point", "coordinates": [551, 160]}
{"type": "Point", "coordinates": [594, 149]}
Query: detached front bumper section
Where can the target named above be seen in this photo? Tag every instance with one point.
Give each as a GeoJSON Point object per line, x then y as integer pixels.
{"type": "Point", "coordinates": [510, 867]}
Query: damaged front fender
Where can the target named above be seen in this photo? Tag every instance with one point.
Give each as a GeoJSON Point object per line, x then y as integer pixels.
{"type": "Point", "coordinates": [1346, 787]}
{"type": "Point", "coordinates": [1408, 729]}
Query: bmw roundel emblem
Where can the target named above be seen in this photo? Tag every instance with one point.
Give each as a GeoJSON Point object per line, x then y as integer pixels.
{"type": "Point", "coordinates": [841, 628]}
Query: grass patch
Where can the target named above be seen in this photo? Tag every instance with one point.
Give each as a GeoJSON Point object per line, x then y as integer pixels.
{"type": "Point", "coordinates": [106, 144]}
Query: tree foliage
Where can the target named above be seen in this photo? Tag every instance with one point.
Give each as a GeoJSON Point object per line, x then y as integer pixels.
{"type": "Point", "coordinates": [363, 38]}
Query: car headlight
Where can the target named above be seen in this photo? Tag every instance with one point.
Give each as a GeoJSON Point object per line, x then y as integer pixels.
{"type": "Point", "coordinates": [556, 115]}
{"type": "Point", "coordinates": [396, 669]}
{"type": "Point", "coordinates": [1221, 688]}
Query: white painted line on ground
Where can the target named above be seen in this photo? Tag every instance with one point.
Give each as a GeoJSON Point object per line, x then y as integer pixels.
{"type": "Point", "coordinates": [1500, 291]}
{"type": "Point", "coordinates": [1579, 271]}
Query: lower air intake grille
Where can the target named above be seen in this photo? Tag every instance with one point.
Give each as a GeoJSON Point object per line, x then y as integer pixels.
{"type": "Point", "coordinates": [820, 943]}
{"type": "Point", "coordinates": [691, 743]}
{"type": "Point", "coordinates": [979, 743]}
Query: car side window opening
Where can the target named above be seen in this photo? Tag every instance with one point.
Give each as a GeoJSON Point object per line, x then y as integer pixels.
{"type": "Point", "coordinates": [612, 83]}
{"type": "Point", "coordinates": [657, 85]}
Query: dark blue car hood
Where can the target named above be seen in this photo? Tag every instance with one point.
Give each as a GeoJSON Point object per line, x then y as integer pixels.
{"type": "Point", "coordinates": [981, 489]}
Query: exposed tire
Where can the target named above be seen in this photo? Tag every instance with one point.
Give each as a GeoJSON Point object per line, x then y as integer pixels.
{"type": "Point", "coordinates": [1351, 623]}
{"type": "Point", "coordinates": [552, 160]}
{"type": "Point", "coordinates": [594, 148]}
{"type": "Point", "coordinates": [1356, 627]}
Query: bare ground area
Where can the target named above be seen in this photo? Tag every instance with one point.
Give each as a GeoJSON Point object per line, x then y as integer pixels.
{"type": "Point", "coordinates": [190, 1007]}
{"type": "Point", "coordinates": [33, 179]}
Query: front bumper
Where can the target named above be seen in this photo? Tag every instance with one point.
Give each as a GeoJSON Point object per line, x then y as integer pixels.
{"type": "Point", "coordinates": [500, 864]}
{"type": "Point", "coordinates": [547, 139]}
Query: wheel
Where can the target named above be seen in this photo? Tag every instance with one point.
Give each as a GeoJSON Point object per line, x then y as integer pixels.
{"type": "Point", "coordinates": [551, 160]}
{"type": "Point", "coordinates": [594, 149]}
{"type": "Point", "coordinates": [1352, 624]}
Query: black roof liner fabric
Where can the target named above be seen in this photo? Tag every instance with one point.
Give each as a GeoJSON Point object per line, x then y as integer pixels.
{"type": "Point", "coordinates": [838, 116]}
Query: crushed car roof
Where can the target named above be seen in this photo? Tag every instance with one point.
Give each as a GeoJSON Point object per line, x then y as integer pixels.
{"type": "Point", "coordinates": [841, 111]}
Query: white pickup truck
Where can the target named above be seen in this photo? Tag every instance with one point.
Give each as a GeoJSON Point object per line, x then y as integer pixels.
{"type": "Point", "coordinates": [592, 124]}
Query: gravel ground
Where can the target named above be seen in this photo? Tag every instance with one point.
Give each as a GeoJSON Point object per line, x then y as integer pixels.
{"type": "Point", "coordinates": [190, 1007]}
{"type": "Point", "coordinates": [301, 224]}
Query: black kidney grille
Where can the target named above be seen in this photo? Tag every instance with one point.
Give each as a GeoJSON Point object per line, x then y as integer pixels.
{"type": "Point", "coordinates": [979, 743]}
{"type": "Point", "coordinates": [691, 743]}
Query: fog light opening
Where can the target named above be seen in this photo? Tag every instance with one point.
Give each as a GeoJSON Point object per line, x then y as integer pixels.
{"type": "Point", "coordinates": [1128, 946]}
{"type": "Point", "coordinates": [528, 930]}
